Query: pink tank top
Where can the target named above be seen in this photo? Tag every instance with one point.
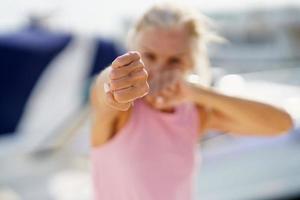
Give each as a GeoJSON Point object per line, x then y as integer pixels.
{"type": "Point", "coordinates": [154, 157]}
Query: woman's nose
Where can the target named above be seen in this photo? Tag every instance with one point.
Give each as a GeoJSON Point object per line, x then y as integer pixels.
{"type": "Point", "coordinates": [161, 66]}
{"type": "Point", "coordinates": [156, 68]}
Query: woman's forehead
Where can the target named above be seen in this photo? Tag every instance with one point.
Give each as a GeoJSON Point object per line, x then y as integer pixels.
{"type": "Point", "coordinates": [170, 41]}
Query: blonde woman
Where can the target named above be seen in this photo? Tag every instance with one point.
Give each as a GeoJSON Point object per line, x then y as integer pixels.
{"type": "Point", "coordinates": [148, 117]}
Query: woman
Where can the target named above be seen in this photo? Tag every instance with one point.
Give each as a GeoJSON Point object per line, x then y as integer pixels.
{"type": "Point", "coordinates": [148, 117]}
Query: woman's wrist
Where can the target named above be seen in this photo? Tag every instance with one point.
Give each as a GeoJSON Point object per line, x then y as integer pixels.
{"type": "Point", "coordinates": [194, 92]}
{"type": "Point", "coordinates": [203, 95]}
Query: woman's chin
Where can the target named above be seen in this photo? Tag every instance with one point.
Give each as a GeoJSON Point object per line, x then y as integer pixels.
{"type": "Point", "coordinates": [161, 106]}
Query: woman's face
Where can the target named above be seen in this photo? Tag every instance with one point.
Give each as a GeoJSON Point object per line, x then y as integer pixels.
{"type": "Point", "coordinates": [165, 49]}
{"type": "Point", "coordinates": [167, 56]}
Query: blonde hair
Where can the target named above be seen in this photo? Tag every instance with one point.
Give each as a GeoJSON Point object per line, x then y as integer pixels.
{"type": "Point", "coordinates": [168, 15]}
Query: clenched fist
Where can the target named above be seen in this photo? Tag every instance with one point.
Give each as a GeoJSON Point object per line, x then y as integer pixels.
{"type": "Point", "coordinates": [127, 81]}
{"type": "Point", "coordinates": [167, 90]}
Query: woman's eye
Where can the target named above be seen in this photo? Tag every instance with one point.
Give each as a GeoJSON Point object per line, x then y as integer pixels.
{"type": "Point", "coordinates": [174, 60]}
{"type": "Point", "coordinates": [149, 56]}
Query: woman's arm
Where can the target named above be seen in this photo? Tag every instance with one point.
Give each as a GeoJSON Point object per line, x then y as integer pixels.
{"type": "Point", "coordinates": [103, 116]}
{"type": "Point", "coordinates": [241, 116]}
{"type": "Point", "coordinates": [127, 80]}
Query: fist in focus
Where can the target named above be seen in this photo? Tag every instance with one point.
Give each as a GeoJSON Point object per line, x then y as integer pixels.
{"type": "Point", "coordinates": [127, 81]}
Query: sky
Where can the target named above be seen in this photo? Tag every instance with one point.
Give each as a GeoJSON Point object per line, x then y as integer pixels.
{"type": "Point", "coordinates": [105, 16]}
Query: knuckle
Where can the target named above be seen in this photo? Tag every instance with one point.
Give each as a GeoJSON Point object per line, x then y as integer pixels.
{"type": "Point", "coordinates": [146, 88]}
{"type": "Point", "coordinates": [116, 62]}
{"type": "Point", "coordinates": [135, 54]}
{"type": "Point", "coordinates": [140, 63]}
{"type": "Point", "coordinates": [143, 90]}
{"type": "Point", "coordinates": [120, 58]}
{"type": "Point", "coordinates": [145, 74]}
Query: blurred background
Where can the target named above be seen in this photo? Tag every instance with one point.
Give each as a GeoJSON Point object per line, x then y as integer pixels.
{"type": "Point", "coordinates": [50, 50]}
